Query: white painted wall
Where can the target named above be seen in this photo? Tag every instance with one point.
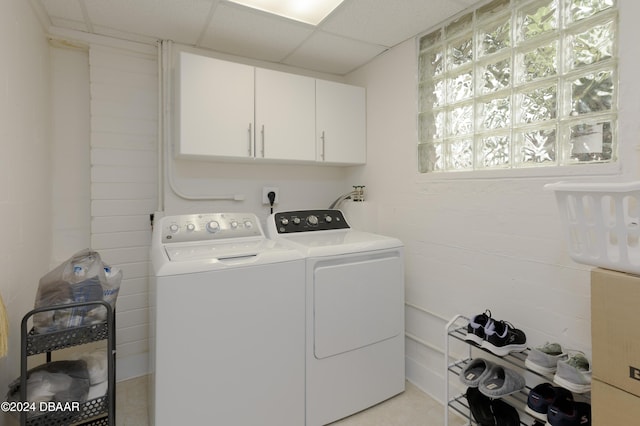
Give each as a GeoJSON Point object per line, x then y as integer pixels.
{"type": "Point", "coordinates": [25, 169]}
{"type": "Point", "coordinates": [124, 123]}
{"type": "Point", "coordinates": [476, 244]}
{"type": "Point", "coordinates": [70, 153]}
{"type": "Point", "coordinates": [301, 187]}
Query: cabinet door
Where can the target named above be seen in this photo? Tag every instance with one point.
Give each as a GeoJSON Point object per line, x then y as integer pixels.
{"type": "Point", "coordinates": [285, 116]}
{"type": "Point", "coordinates": [340, 123]}
{"type": "Point", "coordinates": [214, 108]}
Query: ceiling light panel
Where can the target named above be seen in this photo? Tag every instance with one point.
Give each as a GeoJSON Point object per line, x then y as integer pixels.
{"type": "Point", "coordinates": [242, 32]}
{"type": "Point", "coordinates": [308, 11]}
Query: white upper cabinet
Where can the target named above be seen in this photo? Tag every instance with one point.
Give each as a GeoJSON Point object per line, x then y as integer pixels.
{"type": "Point", "coordinates": [215, 101]}
{"type": "Point", "coordinates": [229, 111]}
{"type": "Point", "coordinates": [340, 123]}
{"type": "Point", "coordinates": [285, 116]}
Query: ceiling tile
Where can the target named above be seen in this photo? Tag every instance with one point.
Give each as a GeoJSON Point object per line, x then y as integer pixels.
{"type": "Point", "coordinates": [387, 22]}
{"type": "Point", "coordinates": [332, 54]}
{"type": "Point", "coordinates": [352, 35]}
{"type": "Point", "coordinates": [253, 34]}
{"type": "Point", "coordinates": [178, 20]}
{"type": "Point", "coordinates": [67, 9]}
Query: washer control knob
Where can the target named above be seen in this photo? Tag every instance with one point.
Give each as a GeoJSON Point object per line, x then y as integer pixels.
{"type": "Point", "coordinates": [284, 221]}
{"type": "Point", "coordinates": [296, 221]}
{"type": "Point", "coordinates": [191, 227]}
{"type": "Point", "coordinates": [312, 219]}
{"type": "Point", "coordinates": [174, 228]}
{"type": "Point", "coordinates": [328, 219]}
{"type": "Point", "coordinates": [213, 226]}
{"type": "Point", "coordinates": [248, 224]}
{"type": "Point", "coordinates": [233, 224]}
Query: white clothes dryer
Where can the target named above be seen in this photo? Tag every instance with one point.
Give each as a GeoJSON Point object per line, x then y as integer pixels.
{"type": "Point", "coordinates": [227, 324]}
{"type": "Point", "coordinates": [354, 312]}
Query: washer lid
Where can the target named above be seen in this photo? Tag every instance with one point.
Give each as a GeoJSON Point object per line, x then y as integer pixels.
{"type": "Point", "coordinates": [237, 249]}
{"type": "Point", "coordinates": [177, 259]}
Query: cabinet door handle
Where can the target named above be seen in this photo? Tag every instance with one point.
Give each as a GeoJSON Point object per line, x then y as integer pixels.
{"type": "Point", "coordinates": [262, 133]}
{"type": "Point", "coordinates": [322, 151]}
{"type": "Point", "coordinates": [250, 141]}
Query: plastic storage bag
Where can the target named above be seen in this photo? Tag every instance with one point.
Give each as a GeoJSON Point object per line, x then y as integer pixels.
{"type": "Point", "coordinates": [98, 368]}
{"type": "Point", "coordinates": [58, 381]}
{"type": "Point", "coordinates": [97, 365]}
{"type": "Point", "coordinates": [81, 278]}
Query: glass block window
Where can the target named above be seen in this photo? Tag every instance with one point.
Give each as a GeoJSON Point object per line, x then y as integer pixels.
{"type": "Point", "coordinates": [517, 84]}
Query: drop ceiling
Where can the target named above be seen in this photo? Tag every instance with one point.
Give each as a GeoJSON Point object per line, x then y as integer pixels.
{"type": "Point", "coordinates": [353, 34]}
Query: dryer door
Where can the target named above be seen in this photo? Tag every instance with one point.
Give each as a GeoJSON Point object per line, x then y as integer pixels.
{"type": "Point", "coordinates": [357, 301]}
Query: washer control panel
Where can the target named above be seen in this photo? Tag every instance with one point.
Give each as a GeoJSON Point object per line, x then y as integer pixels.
{"type": "Point", "coordinates": [309, 220]}
{"type": "Point", "coordinates": [210, 226]}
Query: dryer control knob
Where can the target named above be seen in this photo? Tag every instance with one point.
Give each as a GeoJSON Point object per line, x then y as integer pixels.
{"type": "Point", "coordinates": [213, 226]}
{"type": "Point", "coordinates": [328, 219]}
{"type": "Point", "coordinates": [191, 227]}
{"type": "Point", "coordinates": [174, 228]}
{"type": "Point", "coordinates": [296, 221]}
{"type": "Point", "coordinates": [233, 224]}
{"type": "Point", "coordinates": [248, 224]}
{"type": "Point", "coordinates": [312, 220]}
{"type": "Point", "coordinates": [284, 221]}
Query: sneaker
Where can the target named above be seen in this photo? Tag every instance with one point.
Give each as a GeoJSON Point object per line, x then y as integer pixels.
{"type": "Point", "coordinates": [501, 338]}
{"type": "Point", "coordinates": [476, 371]}
{"type": "Point", "coordinates": [564, 411]}
{"type": "Point", "coordinates": [574, 374]}
{"type": "Point", "coordinates": [501, 381]}
{"type": "Point", "coordinates": [540, 397]}
{"type": "Point", "coordinates": [475, 328]}
{"type": "Point", "coordinates": [544, 359]}
{"type": "Point", "coordinates": [480, 407]}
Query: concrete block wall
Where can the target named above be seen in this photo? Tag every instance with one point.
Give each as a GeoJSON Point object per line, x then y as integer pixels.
{"type": "Point", "coordinates": [475, 243]}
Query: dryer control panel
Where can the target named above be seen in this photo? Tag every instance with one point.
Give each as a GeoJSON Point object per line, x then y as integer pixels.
{"type": "Point", "coordinates": [309, 220]}
{"type": "Point", "coordinates": [211, 226]}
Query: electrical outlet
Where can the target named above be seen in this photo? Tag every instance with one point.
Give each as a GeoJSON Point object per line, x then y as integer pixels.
{"type": "Point", "coordinates": [265, 194]}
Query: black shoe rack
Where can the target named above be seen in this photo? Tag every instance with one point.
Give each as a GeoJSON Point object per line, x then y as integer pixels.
{"type": "Point", "coordinates": [95, 412]}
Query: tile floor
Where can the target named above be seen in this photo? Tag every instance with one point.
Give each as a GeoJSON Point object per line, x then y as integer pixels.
{"type": "Point", "coordinates": [131, 402]}
{"type": "Point", "coordinates": [411, 408]}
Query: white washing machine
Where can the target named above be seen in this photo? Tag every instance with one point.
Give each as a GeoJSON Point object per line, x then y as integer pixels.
{"type": "Point", "coordinates": [227, 324]}
{"type": "Point", "coordinates": [354, 312]}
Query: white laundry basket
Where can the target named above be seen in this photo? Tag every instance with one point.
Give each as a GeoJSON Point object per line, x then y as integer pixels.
{"type": "Point", "coordinates": [601, 222]}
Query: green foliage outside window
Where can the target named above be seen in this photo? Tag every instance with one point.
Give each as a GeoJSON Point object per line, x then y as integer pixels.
{"type": "Point", "coordinates": [517, 84]}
